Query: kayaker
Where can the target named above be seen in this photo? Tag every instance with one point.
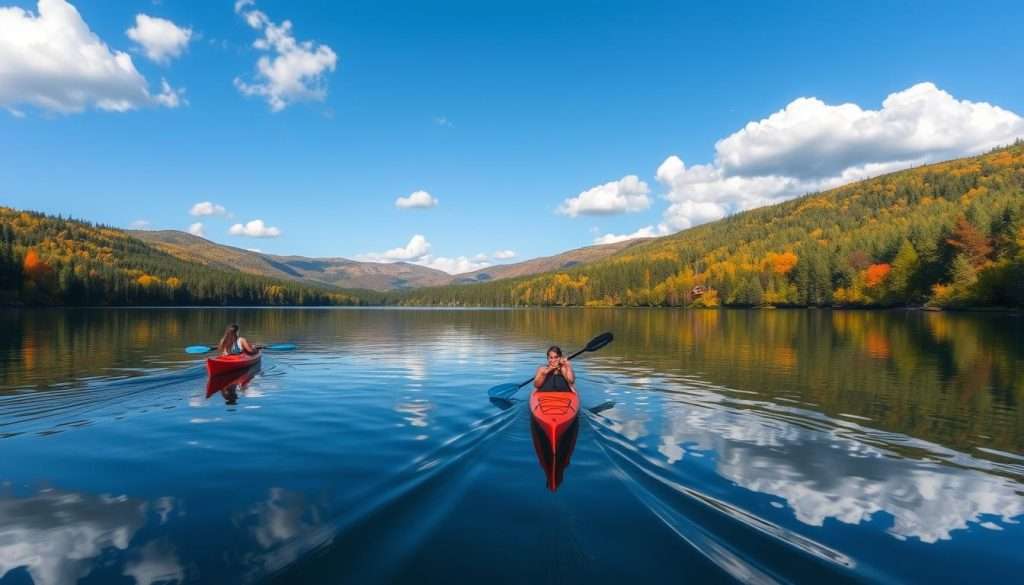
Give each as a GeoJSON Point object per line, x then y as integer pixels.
{"type": "Point", "coordinates": [232, 343]}
{"type": "Point", "coordinates": [557, 374]}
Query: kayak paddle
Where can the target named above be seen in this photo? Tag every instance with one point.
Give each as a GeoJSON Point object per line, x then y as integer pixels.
{"type": "Point", "coordinates": [196, 349]}
{"type": "Point", "coordinates": [507, 390]}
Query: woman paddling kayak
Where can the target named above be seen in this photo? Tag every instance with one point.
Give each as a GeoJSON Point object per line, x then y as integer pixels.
{"type": "Point", "coordinates": [236, 353]}
{"type": "Point", "coordinates": [554, 403]}
{"type": "Point", "coordinates": [233, 344]}
{"type": "Point", "coordinates": [557, 375]}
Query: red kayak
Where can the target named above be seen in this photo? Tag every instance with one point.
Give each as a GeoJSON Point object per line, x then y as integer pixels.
{"type": "Point", "coordinates": [223, 364]}
{"type": "Point", "coordinates": [554, 412]}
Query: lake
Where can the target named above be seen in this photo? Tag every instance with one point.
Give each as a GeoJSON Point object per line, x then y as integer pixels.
{"type": "Point", "coordinates": [765, 446]}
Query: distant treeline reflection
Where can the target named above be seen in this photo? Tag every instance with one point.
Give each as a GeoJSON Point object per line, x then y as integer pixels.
{"type": "Point", "coordinates": [955, 379]}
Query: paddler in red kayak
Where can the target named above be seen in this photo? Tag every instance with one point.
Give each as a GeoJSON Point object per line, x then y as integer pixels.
{"type": "Point", "coordinates": [557, 375]}
{"type": "Point", "coordinates": [232, 344]}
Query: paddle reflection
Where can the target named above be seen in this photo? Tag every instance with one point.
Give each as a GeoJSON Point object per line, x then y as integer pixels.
{"type": "Point", "coordinates": [554, 461]}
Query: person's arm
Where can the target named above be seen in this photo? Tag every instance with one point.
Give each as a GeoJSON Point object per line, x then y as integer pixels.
{"type": "Point", "coordinates": [541, 375]}
{"type": "Point", "coordinates": [246, 346]}
{"type": "Point", "coordinates": [567, 373]}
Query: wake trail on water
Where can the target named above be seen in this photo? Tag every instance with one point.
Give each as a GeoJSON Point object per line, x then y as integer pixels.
{"type": "Point", "coordinates": [58, 408]}
{"type": "Point", "coordinates": [392, 518]}
{"type": "Point", "coordinates": [716, 445]}
{"type": "Point", "coordinates": [738, 542]}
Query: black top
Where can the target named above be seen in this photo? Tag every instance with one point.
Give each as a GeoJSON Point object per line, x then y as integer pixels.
{"type": "Point", "coordinates": [555, 382]}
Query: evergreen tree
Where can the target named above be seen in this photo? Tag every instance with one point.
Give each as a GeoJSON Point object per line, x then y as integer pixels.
{"type": "Point", "coordinates": [964, 276]}
{"type": "Point", "coordinates": [902, 277]}
{"type": "Point", "coordinates": [813, 276]}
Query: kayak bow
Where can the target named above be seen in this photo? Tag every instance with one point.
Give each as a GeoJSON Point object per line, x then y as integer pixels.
{"type": "Point", "coordinates": [554, 412]}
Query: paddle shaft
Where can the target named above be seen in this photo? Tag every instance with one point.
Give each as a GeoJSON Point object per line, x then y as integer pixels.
{"type": "Point", "coordinates": [272, 347]}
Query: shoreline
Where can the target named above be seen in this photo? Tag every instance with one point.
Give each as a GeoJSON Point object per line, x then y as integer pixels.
{"type": "Point", "coordinates": [1016, 311]}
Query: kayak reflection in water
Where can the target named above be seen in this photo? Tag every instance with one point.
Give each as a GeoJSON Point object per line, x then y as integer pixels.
{"type": "Point", "coordinates": [232, 343]}
{"type": "Point", "coordinates": [557, 375]}
{"type": "Point", "coordinates": [554, 461]}
{"type": "Point", "coordinates": [229, 384]}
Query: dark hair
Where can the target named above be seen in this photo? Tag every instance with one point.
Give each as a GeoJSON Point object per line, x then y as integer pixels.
{"type": "Point", "coordinates": [229, 339]}
{"type": "Point", "coordinates": [556, 349]}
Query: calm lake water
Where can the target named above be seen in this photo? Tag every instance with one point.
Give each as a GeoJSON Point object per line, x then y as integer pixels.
{"type": "Point", "coordinates": [763, 446]}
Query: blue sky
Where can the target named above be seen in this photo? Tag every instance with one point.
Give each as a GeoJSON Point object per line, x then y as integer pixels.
{"type": "Point", "coordinates": [500, 111]}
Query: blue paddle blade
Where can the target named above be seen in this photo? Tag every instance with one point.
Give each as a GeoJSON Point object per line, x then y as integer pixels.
{"type": "Point", "coordinates": [198, 349]}
{"type": "Point", "coordinates": [281, 346]}
{"type": "Point", "coordinates": [503, 391]}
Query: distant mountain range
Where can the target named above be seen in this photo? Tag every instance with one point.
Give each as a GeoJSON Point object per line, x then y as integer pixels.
{"type": "Point", "coordinates": [352, 274]}
{"type": "Point", "coordinates": [563, 261]}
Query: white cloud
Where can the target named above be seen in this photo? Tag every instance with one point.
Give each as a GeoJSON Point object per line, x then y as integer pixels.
{"type": "Point", "coordinates": [625, 195]}
{"type": "Point", "coordinates": [140, 224]}
{"type": "Point", "coordinates": [170, 97]}
{"type": "Point", "coordinates": [254, 229]}
{"type": "Point", "coordinates": [644, 232]}
{"type": "Point", "coordinates": [443, 122]}
{"type": "Point", "coordinates": [207, 208]}
{"type": "Point", "coordinates": [294, 71]}
{"type": "Point", "coordinates": [454, 265]}
{"type": "Point", "coordinates": [504, 254]}
{"type": "Point", "coordinates": [417, 248]}
{"type": "Point", "coordinates": [160, 39]}
{"type": "Point", "coordinates": [417, 251]}
{"type": "Point", "coordinates": [811, 146]}
{"type": "Point", "coordinates": [53, 61]}
{"type": "Point", "coordinates": [196, 229]}
{"type": "Point", "coordinates": [810, 139]}
{"type": "Point", "coordinates": [417, 200]}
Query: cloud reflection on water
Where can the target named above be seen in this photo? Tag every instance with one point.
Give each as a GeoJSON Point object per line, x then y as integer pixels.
{"type": "Point", "coordinates": [57, 536]}
{"type": "Point", "coordinates": [825, 474]}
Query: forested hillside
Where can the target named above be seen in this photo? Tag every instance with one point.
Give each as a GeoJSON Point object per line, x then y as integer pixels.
{"type": "Point", "coordinates": [335, 272]}
{"type": "Point", "coordinates": [352, 274]}
{"type": "Point", "coordinates": [561, 261]}
{"type": "Point", "coordinates": [948, 234]}
{"type": "Point", "coordinates": [47, 260]}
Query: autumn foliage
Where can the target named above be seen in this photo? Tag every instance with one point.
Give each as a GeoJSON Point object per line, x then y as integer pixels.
{"type": "Point", "coordinates": [948, 234]}
{"type": "Point", "coordinates": [781, 263]}
{"type": "Point", "coordinates": [47, 260]}
{"type": "Point", "coordinates": [875, 274]}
